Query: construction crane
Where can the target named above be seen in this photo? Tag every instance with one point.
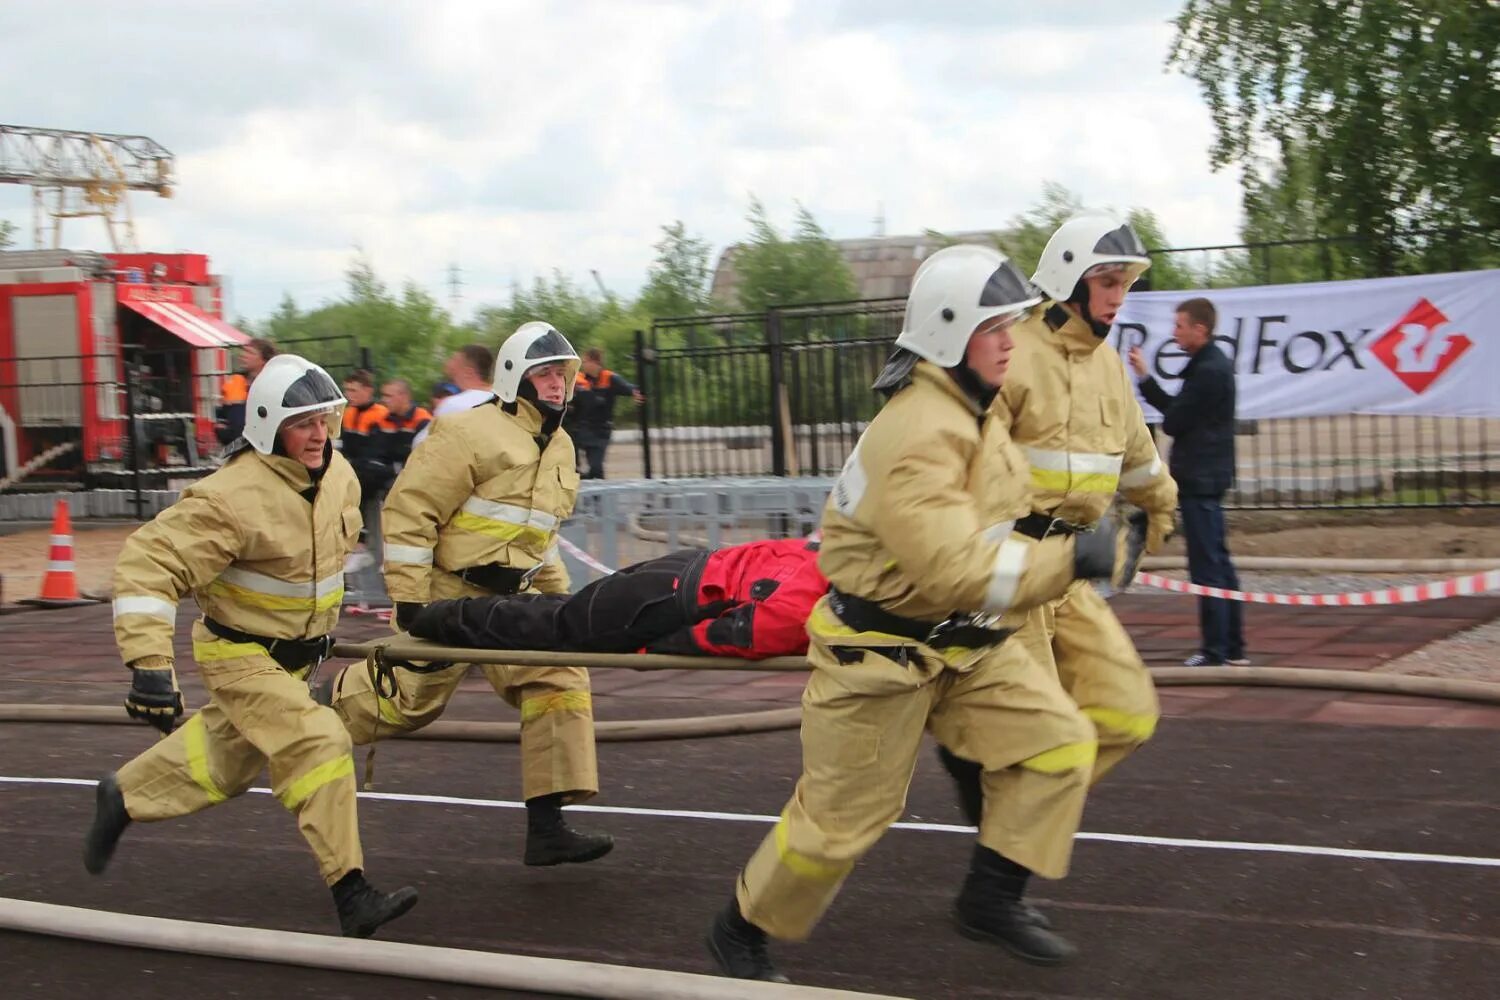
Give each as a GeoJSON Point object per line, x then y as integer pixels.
{"type": "Point", "coordinates": [78, 174]}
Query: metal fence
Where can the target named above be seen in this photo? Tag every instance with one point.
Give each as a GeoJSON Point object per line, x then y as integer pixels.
{"type": "Point", "coordinates": [787, 393]}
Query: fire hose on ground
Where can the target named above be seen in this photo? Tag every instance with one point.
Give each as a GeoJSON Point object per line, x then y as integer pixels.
{"type": "Point", "coordinates": [552, 976]}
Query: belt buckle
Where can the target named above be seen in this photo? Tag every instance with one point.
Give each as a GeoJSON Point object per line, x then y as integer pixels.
{"type": "Point", "coordinates": [526, 576]}
{"type": "Point", "coordinates": [943, 628]}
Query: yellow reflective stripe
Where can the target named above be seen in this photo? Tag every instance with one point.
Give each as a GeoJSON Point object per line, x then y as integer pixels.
{"type": "Point", "coordinates": [388, 712]}
{"type": "Point", "coordinates": [500, 530]}
{"type": "Point", "coordinates": [801, 864]}
{"type": "Point", "coordinates": [218, 649]}
{"type": "Point", "coordinates": [1137, 727]}
{"type": "Point", "coordinates": [324, 774]}
{"type": "Point", "coordinates": [1068, 757]}
{"type": "Point", "coordinates": [825, 623]}
{"type": "Point", "coordinates": [1058, 481]}
{"type": "Point", "coordinates": [195, 746]}
{"type": "Point", "coordinates": [558, 701]}
{"type": "Point", "coordinates": [275, 602]}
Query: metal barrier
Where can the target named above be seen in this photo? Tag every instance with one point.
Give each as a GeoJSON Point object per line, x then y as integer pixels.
{"type": "Point", "coordinates": [787, 393]}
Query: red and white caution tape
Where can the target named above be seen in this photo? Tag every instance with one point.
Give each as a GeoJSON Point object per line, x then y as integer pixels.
{"type": "Point", "coordinates": [583, 556]}
{"type": "Point", "coordinates": [1462, 586]}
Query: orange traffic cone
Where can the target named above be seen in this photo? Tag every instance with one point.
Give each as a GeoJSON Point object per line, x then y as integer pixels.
{"type": "Point", "coordinates": [60, 585]}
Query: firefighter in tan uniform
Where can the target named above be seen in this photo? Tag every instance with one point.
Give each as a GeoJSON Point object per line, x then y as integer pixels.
{"type": "Point", "coordinates": [1072, 410]}
{"type": "Point", "coordinates": [475, 513]}
{"type": "Point", "coordinates": [928, 578]}
{"type": "Point", "coordinates": [260, 545]}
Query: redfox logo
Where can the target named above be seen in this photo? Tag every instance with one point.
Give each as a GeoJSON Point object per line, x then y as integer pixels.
{"type": "Point", "coordinates": [1417, 350]}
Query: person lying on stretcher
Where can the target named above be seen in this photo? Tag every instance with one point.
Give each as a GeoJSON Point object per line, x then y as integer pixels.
{"type": "Point", "coordinates": [750, 600]}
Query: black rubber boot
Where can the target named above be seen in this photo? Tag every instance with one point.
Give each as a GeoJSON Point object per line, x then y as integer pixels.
{"type": "Point", "coordinates": [551, 841]}
{"type": "Point", "coordinates": [110, 820]}
{"type": "Point", "coordinates": [739, 947]}
{"type": "Point", "coordinates": [363, 908]}
{"type": "Point", "coordinates": [966, 778]}
{"type": "Point", "coordinates": [990, 908]}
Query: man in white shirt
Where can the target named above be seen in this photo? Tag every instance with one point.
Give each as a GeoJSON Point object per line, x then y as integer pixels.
{"type": "Point", "coordinates": [472, 369]}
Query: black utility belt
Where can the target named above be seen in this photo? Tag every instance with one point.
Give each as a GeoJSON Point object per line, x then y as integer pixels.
{"type": "Point", "coordinates": [1040, 526]}
{"type": "Point", "coordinates": [291, 654]}
{"type": "Point", "coordinates": [957, 630]}
{"type": "Point", "coordinates": [498, 579]}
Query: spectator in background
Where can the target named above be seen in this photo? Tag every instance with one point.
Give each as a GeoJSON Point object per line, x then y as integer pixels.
{"type": "Point", "coordinates": [363, 445]}
{"type": "Point", "coordinates": [591, 414]}
{"type": "Point", "coordinates": [403, 420]}
{"type": "Point", "coordinates": [1200, 421]}
{"type": "Point", "coordinates": [440, 392]}
{"type": "Point", "coordinates": [229, 420]}
{"type": "Point", "coordinates": [471, 370]}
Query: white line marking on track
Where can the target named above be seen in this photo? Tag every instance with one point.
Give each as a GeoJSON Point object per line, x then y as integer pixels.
{"type": "Point", "coordinates": [1308, 850]}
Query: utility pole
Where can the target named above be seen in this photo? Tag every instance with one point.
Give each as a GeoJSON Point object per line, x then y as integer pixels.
{"type": "Point", "coordinates": [455, 287]}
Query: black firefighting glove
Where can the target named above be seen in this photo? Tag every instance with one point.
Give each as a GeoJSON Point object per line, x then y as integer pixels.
{"type": "Point", "coordinates": [1112, 551]}
{"type": "Point", "coordinates": [154, 698]}
{"type": "Point", "coordinates": [406, 614]}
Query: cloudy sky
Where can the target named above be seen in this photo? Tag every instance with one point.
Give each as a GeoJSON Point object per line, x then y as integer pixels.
{"type": "Point", "coordinates": [514, 137]}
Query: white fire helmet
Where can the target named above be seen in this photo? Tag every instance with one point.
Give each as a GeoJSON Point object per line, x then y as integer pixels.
{"type": "Point", "coordinates": [287, 387]}
{"type": "Point", "coordinates": [953, 292]}
{"type": "Point", "coordinates": [532, 344]}
{"type": "Point", "coordinates": [1088, 243]}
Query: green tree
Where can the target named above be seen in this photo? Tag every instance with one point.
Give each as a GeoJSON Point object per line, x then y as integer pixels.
{"type": "Point", "coordinates": [1372, 119]}
{"type": "Point", "coordinates": [677, 283]}
{"type": "Point", "coordinates": [586, 320]}
{"type": "Point", "coordinates": [7, 233]}
{"type": "Point", "coordinates": [775, 271]}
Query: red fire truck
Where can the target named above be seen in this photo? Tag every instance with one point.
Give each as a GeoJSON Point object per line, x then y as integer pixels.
{"type": "Point", "coordinates": [110, 360]}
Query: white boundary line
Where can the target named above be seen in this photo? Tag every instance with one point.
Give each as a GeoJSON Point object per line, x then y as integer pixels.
{"type": "Point", "coordinates": [1308, 850]}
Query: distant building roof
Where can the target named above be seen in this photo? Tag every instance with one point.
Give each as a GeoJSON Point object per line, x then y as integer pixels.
{"type": "Point", "coordinates": [883, 266]}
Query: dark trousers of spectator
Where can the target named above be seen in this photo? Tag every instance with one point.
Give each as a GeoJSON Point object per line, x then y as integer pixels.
{"type": "Point", "coordinates": [368, 585]}
{"type": "Point", "coordinates": [590, 448]}
{"type": "Point", "coordinates": [1221, 622]}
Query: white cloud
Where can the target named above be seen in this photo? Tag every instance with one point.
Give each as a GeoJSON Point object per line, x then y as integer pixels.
{"type": "Point", "coordinates": [519, 137]}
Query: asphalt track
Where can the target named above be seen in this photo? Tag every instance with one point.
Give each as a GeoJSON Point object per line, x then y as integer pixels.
{"type": "Point", "coordinates": [1152, 921]}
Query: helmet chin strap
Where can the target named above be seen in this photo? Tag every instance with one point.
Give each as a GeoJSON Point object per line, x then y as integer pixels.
{"type": "Point", "coordinates": [1080, 298]}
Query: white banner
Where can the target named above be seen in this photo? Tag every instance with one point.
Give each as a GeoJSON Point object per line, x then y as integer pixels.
{"type": "Point", "coordinates": [1424, 345]}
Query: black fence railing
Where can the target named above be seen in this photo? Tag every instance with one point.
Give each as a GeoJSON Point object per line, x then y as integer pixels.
{"type": "Point", "coordinates": [788, 393]}
{"type": "Point", "coordinates": [1330, 258]}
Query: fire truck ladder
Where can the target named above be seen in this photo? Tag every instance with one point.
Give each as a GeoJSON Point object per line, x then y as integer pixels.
{"type": "Point", "coordinates": [77, 174]}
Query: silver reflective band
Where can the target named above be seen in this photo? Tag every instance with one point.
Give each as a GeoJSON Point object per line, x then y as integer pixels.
{"type": "Point", "coordinates": [1074, 461]}
{"type": "Point", "coordinates": [262, 584]}
{"type": "Point", "coordinates": [1005, 579]}
{"type": "Point", "coordinates": [1141, 475]}
{"type": "Point", "coordinates": [153, 606]}
{"type": "Point", "coordinates": [999, 532]}
{"type": "Point", "coordinates": [413, 554]}
{"type": "Point", "coordinates": [509, 513]}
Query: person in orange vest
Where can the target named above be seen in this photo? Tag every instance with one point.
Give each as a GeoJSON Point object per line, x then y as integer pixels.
{"type": "Point", "coordinates": [403, 421]}
{"type": "Point", "coordinates": [364, 446]}
{"type": "Point", "coordinates": [229, 419]}
{"type": "Point", "coordinates": [591, 417]}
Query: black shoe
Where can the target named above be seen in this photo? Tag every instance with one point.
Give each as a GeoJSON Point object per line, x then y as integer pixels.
{"type": "Point", "coordinates": [110, 820]}
{"type": "Point", "coordinates": [363, 908]}
{"type": "Point", "coordinates": [1034, 916]}
{"type": "Point", "coordinates": [739, 948]}
{"type": "Point", "coordinates": [1012, 925]}
{"type": "Point", "coordinates": [560, 844]}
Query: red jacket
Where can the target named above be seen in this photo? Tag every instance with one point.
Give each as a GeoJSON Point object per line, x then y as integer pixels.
{"type": "Point", "coordinates": [766, 591]}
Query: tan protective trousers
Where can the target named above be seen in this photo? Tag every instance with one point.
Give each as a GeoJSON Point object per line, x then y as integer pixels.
{"type": "Point", "coordinates": [1080, 637]}
{"type": "Point", "coordinates": [257, 714]}
{"type": "Point", "coordinates": [557, 712]}
{"type": "Point", "coordinates": [865, 707]}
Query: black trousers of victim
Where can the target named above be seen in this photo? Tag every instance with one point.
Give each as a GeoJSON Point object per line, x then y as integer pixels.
{"type": "Point", "coordinates": [650, 605]}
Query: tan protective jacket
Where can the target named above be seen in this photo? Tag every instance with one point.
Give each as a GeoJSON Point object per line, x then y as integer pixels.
{"type": "Point", "coordinates": [254, 553]}
{"type": "Point", "coordinates": [480, 490]}
{"type": "Point", "coordinates": [920, 519]}
{"type": "Point", "coordinates": [1070, 407]}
